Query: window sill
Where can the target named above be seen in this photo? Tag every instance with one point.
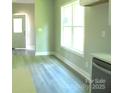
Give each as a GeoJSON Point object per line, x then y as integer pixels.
{"type": "Point", "coordinates": [73, 51]}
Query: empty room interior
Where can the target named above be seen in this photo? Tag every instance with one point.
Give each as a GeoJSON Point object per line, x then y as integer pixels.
{"type": "Point", "coordinates": [61, 46]}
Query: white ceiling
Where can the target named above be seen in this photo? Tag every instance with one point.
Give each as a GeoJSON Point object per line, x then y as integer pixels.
{"type": "Point", "coordinates": [23, 1]}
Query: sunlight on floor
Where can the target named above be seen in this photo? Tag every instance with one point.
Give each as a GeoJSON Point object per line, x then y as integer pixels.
{"type": "Point", "coordinates": [44, 74]}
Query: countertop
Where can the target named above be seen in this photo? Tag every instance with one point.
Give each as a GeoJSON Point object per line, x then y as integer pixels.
{"type": "Point", "coordinates": [103, 56]}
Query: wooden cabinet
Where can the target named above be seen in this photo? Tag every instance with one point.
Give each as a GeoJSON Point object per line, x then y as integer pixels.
{"type": "Point", "coordinates": [92, 2]}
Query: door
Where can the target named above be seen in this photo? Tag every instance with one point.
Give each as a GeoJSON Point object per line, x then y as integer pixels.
{"type": "Point", "coordinates": [18, 31]}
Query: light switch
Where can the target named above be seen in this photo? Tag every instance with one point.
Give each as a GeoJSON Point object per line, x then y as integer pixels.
{"type": "Point", "coordinates": [39, 29]}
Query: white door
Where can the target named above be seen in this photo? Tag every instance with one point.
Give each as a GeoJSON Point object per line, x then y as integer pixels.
{"type": "Point", "coordinates": [18, 33]}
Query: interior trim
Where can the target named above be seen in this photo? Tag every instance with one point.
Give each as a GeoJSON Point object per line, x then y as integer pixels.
{"type": "Point", "coordinates": [44, 53]}
{"type": "Point", "coordinates": [74, 67]}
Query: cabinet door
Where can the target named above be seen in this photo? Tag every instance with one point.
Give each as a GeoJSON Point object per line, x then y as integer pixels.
{"type": "Point", "coordinates": [91, 2]}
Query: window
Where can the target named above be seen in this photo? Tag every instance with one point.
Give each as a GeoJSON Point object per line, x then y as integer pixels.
{"type": "Point", "coordinates": [72, 27]}
{"type": "Point", "coordinates": [17, 25]}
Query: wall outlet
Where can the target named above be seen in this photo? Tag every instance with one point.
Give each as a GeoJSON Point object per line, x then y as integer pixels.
{"type": "Point", "coordinates": [103, 33]}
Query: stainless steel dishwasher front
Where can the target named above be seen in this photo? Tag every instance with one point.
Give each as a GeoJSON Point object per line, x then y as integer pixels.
{"type": "Point", "coordinates": [101, 76]}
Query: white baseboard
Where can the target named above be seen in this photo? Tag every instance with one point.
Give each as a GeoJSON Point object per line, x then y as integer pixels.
{"type": "Point", "coordinates": [27, 48]}
{"type": "Point", "coordinates": [43, 53]}
{"type": "Point", "coordinates": [20, 48]}
{"type": "Point", "coordinates": [31, 47]}
{"type": "Point", "coordinates": [73, 66]}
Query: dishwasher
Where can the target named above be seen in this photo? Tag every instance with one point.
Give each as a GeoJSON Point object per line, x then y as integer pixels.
{"type": "Point", "coordinates": [101, 76]}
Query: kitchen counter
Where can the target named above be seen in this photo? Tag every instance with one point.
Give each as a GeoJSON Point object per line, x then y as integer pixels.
{"type": "Point", "coordinates": [103, 56]}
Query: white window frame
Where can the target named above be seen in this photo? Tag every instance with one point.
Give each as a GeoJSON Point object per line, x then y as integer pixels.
{"type": "Point", "coordinates": [71, 49]}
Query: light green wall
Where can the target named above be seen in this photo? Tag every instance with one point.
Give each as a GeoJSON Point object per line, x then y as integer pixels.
{"type": "Point", "coordinates": [28, 9]}
{"type": "Point", "coordinates": [44, 25]}
{"type": "Point", "coordinates": [96, 20]}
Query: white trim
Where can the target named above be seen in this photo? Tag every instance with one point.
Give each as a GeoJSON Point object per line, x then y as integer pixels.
{"type": "Point", "coordinates": [27, 48]}
{"type": "Point", "coordinates": [43, 53]}
{"type": "Point", "coordinates": [20, 48]}
{"type": "Point", "coordinates": [74, 67]}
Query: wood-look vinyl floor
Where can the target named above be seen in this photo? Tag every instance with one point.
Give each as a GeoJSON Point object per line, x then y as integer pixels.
{"type": "Point", "coordinates": [50, 75]}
